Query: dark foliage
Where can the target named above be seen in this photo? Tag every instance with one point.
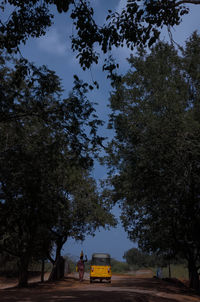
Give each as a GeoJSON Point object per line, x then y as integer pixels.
{"type": "Point", "coordinates": [139, 24]}
{"type": "Point", "coordinates": [47, 148]}
{"type": "Point", "coordinates": [154, 157]}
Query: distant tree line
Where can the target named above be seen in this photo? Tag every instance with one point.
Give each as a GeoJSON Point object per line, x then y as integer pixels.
{"type": "Point", "coordinates": [136, 258]}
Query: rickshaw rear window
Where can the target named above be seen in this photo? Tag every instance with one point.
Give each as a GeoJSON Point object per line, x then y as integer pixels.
{"type": "Point", "coordinates": [100, 261]}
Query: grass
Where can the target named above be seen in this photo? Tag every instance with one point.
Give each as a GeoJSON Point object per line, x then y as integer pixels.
{"type": "Point", "coordinates": [178, 271]}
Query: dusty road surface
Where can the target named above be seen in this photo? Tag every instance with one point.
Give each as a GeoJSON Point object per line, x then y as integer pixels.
{"type": "Point", "coordinates": [138, 288]}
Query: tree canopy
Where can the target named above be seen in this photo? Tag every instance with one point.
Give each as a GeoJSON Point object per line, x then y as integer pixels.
{"type": "Point", "coordinates": [136, 258]}
{"type": "Point", "coordinates": [47, 148]}
{"type": "Point", "coordinates": [138, 24]}
{"type": "Point", "coordinates": [154, 157]}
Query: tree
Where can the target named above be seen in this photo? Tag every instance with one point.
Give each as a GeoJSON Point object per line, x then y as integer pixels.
{"type": "Point", "coordinates": [47, 147]}
{"type": "Point", "coordinates": [84, 212]}
{"type": "Point", "coordinates": [154, 157]}
{"type": "Point", "coordinates": [139, 24]}
{"type": "Point", "coordinates": [137, 258]}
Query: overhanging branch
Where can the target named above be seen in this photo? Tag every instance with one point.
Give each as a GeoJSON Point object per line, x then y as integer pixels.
{"type": "Point", "coordinates": [187, 2]}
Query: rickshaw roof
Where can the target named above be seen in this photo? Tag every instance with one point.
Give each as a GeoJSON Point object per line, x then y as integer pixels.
{"type": "Point", "coordinates": [100, 255]}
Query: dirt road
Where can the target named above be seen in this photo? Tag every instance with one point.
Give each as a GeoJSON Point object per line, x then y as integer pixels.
{"type": "Point", "coordinates": [140, 288]}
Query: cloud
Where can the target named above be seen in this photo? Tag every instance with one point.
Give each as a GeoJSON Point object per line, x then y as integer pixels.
{"type": "Point", "coordinates": [52, 43]}
{"type": "Point", "coordinates": [121, 5]}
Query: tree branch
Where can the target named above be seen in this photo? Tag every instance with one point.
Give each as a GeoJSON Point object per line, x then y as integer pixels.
{"type": "Point", "coordinates": [50, 258]}
{"type": "Point", "coordinates": [187, 2]}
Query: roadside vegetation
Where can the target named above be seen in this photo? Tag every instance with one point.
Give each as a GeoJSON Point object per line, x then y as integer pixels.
{"type": "Point", "coordinates": [134, 261]}
{"type": "Point", "coordinates": [178, 271]}
{"type": "Point", "coordinates": [169, 268]}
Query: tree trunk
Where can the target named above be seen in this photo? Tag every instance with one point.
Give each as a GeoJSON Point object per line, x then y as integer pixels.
{"type": "Point", "coordinates": [170, 275]}
{"type": "Point", "coordinates": [57, 272]}
{"type": "Point", "coordinates": [59, 264]}
{"type": "Point", "coordinates": [42, 271]}
{"type": "Point", "coordinates": [23, 272]}
{"type": "Point", "coordinates": [193, 276]}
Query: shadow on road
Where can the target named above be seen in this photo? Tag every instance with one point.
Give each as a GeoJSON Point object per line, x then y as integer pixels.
{"type": "Point", "coordinates": [153, 284]}
{"type": "Point", "coordinates": [83, 296]}
{"type": "Point", "coordinates": [122, 289]}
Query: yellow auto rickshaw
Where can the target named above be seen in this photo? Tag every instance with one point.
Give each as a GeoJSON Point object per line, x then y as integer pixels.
{"type": "Point", "coordinates": [100, 267]}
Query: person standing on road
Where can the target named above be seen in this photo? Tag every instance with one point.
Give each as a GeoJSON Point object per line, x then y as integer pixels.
{"type": "Point", "coordinates": [81, 266]}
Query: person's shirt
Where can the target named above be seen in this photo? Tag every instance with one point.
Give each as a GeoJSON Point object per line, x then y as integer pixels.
{"type": "Point", "coordinates": [81, 264]}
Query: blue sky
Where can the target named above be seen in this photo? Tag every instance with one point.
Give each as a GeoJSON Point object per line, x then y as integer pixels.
{"type": "Point", "coordinates": [54, 50]}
